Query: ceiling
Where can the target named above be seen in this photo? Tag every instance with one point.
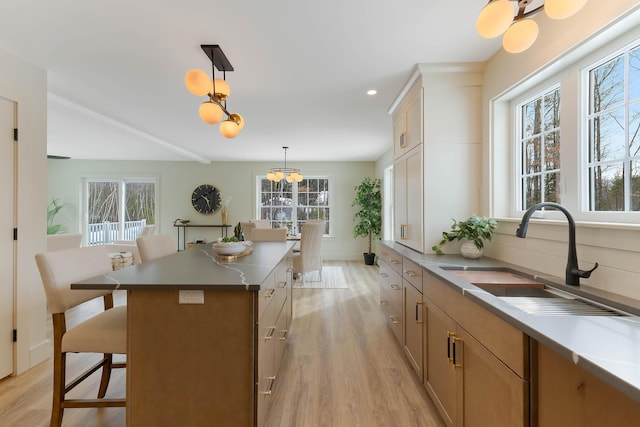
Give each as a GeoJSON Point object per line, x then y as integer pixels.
{"type": "Point", "coordinates": [116, 72]}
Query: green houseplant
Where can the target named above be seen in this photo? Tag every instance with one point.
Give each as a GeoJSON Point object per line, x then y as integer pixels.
{"type": "Point", "coordinates": [475, 229]}
{"type": "Point", "coordinates": [52, 210]}
{"type": "Point", "coordinates": [369, 215]}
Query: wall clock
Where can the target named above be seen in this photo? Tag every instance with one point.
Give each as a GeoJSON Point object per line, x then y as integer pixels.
{"type": "Point", "coordinates": [206, 199]}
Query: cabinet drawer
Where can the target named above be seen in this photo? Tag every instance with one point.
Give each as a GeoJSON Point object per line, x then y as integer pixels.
{"type": "Point", "coordinates": [412, 273]}
{"type": "Point", "coordinates": [508, 343]}
{"type": "Point", "coordinates": [391, 283]}
{"type": "Point", "coordinates": [392, 259]}
{"type": "Point", "coordinates": [393, 315]}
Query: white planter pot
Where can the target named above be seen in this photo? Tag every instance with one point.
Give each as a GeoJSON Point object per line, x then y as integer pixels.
{"type": "Point", "coordinates": [469, 250]}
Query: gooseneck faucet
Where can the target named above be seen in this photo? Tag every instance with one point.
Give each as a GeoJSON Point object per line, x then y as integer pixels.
{"type": "Point", "coordinates": [573, 273]}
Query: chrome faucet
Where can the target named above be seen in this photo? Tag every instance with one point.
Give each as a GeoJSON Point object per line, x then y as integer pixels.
{"type": "Point", "coordinates": [573, 273]}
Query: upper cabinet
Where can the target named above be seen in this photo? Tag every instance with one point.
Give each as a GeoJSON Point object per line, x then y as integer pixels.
{"type": "Point", "coordinates": [437, 151]}
{"type": "Point", "coordinates": [407, 122]}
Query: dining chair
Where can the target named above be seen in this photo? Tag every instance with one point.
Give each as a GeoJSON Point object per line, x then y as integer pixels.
{"type": "Point", "coordinates": [105, 332]}
{"type": "Point", "coordinates": [310, 256]}
{"type": "Point", "coordinates": [57, 242]}
{"type": "Point", "coordinates": [247, 229]}
{"type": "Point", "coordinates": [269, 234]}
{"type": "Point", "coordinates": [155, 246]}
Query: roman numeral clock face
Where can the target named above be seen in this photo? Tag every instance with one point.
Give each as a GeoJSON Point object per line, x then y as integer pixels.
{"type": "Point", "coordinates": [206, 199]}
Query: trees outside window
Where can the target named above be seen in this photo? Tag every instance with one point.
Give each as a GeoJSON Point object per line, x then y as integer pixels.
{"type": "Point", "coordinates": [118, 209]}
{"type": "Point", "coordinates": [614, 122]}
{"type": "Point", "coordinates": [539, 140]}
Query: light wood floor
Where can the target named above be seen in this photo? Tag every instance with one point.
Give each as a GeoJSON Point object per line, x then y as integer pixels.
{"type": "Point", "coordinates": [342, 367]}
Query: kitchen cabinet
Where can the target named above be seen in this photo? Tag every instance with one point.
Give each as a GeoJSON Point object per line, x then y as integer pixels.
{"type": "Point", "coordinates": [408, 199]}
{"type": "Point", "coordinates": [407, 124]}
{"type": "Point", "coordinates": [440, 104]}
{"type": "Point", "coordinates": [391, 292]}
{"type": "Point", "coordinates": [567, 395]}
{"type": "Point", "coordinates": [413, 323]}
{"type": "Point", "coordinates": [476, 364]}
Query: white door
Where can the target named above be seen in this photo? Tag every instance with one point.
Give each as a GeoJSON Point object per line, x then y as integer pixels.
{"type": "Point", "coordinates": [7, 252]}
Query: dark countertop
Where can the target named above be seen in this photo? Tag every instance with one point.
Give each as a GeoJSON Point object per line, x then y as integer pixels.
{"type": "Point", "coordinates": [606, 346]}
{"type": "Point", "coordinates": [196, 269]}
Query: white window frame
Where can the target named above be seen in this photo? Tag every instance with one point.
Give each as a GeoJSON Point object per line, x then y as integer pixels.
{"type": "Point", "coordinates": [294, 198]}
{"type": "Point", "coordinates": [122, 180]}
{"type": "Point", "coordinates": [572, 74]}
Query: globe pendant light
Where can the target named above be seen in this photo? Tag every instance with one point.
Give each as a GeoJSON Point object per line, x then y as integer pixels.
{"type": "Point", "coordinates": [277, 174]}
{"type": "Point", "coordinates": [561, 9]}
{"type": "Point", "coordinates": [520, 36]}
{"type": "Point", "coordinates": [495, 18]}
{"type": "Point", "coordinates": [213, 110]}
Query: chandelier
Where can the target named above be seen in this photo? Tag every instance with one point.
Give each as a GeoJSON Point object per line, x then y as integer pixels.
{"type": "Point", "coordinates": [217, 90]}
{"type": "Point", "coordinates": [276, 174]}
{"type": "Point", "coordinates": [520, 32]}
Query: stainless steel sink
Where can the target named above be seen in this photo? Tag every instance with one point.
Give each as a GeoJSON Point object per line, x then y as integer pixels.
{"type": "Point", "coordinates": [532, 295]}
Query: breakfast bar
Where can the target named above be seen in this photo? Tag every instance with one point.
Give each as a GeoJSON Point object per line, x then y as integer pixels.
{"type": "Point", "coordinates": [205, 336]}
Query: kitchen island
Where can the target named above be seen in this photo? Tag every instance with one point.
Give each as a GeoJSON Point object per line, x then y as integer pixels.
{"type": "Point", "coordinates": [204, 336]}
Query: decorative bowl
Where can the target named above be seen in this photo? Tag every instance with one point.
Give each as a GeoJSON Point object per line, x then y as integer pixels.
{"type": "Point", "coordinates": [229, 248]}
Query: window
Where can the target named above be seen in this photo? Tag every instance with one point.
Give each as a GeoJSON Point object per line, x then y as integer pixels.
{"type": "Point", "coordinates": [539, 142]}
{"type": "Point", "coordinates": [614, 122]}
{"type": "Point", "coordinates": [290, 205]}
{"type": "Point", "coordinates": [118, 209]}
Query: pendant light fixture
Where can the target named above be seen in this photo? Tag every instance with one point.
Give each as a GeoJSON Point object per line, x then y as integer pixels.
{"type": "Point", "coordinates": [510, 17]}
{"type": "Point", "coordinates": [277, 174]}
{"type": "Point", "coordinates": [217, 90]}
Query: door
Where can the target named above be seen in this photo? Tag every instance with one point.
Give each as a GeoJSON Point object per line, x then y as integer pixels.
{"type": "Point", "coordinates": [7, 260]}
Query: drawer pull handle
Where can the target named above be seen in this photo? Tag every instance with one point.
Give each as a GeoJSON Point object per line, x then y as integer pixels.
{"type": "Point", "coordinates": [395, 262]}
{"type": "Point", "coordinates": [395, 287]}
{"type": "Point", "coordinates": [456, 358]}
{"type": "Point", "coordinates": [449, 336]}
{"type": "Point", "coordinates": [418, 304]}
{"type": "Point", "coordinates": [282, 284]}
{"type": "Point", "coordinates": [384, 275]}
{"type": "Point", "coordinates": [394, 320]}
{"type": "Point", "coordinates": [284, 335]}
{"type": "Point", "coordinates": [270, 294]}
{"type": "Point", "coordinates": [383, 303]}
{"type": "Point", "coordinates": [269, 389]}
{"type": "Point", "coordinates": [410, 273]}
{"type": "Point", "coordinates": [269, 336]}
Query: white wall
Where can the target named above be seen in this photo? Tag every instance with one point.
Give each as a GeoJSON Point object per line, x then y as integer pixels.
{"type": "Point", "coordinates": [177, 180]}
{"type": "Point", "coordinates": [614, 247]}
{"type": "Point", "coordinates": [26, 85]}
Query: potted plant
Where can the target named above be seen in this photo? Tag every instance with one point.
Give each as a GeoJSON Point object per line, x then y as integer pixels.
{"type": "Point", "coordinates": [369, 215]}
{"type": "Point", "coordinates": [52, 210]}
{"type": "Point", "coordinates": [475, 230]}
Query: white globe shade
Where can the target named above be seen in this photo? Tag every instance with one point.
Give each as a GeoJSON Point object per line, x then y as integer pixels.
{"type": "Point", "coordinates": [561, 9]}
{"type": "Point", "coordinates": [210, 112]}
{"type": "Point", "coordinates": [198, 82]}
{"type": "Point", "coordinates": [279, 175]}
{"type": "Point", "coordinates": [271, 176]}
{"type": "Point", "coordinates": [229, 128]}
{"type": "Point", "coordinates": [289, 179]}
{"type": "Point", "coordinates": [299, 178]}
{"type": "Point", "coordinates": [222, 89]}
{"type": "Point", "coordinates": [520, 36]}
{"type": "Point", "coordinates": [495, 18]}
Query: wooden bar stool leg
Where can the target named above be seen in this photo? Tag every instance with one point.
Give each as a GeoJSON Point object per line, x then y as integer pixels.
{"type": "Point", "coordinates": [106, 375]}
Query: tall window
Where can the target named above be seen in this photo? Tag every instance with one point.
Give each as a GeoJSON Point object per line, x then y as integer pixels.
{"type": "Point", "coordinates": [614, 122]}
{"type": "Point", "coordinates": [118, 209]}
{"type": "Point", "coordinates": [292, 204]}
{"type": "Point", "coordinates": [539, 139]}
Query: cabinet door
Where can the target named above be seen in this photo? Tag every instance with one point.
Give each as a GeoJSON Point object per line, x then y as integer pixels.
{"type": "Point", "coordinates": [440, 377]}
{"type": "Point", "coordinates": [413, 323]}
{"type": "Point", "coordinates": [399, 134]}
{"type": "Point", "coordinates": [414, 120]}
{"type": "Point", "coordinates": [569, 395]}
{"type": "Point", "coordinates": [399, 201]}
{"type": "Point", "coordinates": [492, 394]}
{"type": "Point", "coordinates": [414, 197]}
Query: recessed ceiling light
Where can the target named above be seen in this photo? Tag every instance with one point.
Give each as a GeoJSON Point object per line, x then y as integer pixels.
{"type": "Point", "coordinates": [372, 92]}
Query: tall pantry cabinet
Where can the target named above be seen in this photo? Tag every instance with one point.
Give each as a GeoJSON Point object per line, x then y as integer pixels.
{"type": "Point", "coordinates": [437, 151]}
